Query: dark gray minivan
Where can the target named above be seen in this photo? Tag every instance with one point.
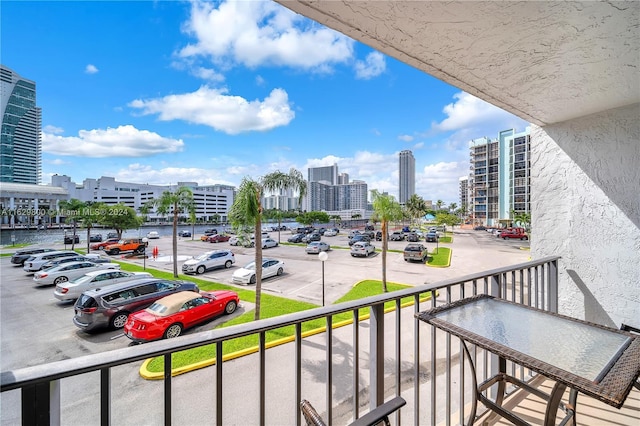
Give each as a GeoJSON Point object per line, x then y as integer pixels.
{"type": "Point", "coordinates": [111, 306]}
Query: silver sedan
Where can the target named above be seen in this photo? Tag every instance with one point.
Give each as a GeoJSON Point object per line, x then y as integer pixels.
{"type": "Point", "coordinates": [68, 271]}
{"type": "Point", "coordinates": [317, 246]}
{"type": "Point", "coordinates": [71, 290]}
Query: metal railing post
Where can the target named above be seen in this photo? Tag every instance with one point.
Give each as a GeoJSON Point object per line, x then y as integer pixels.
{"type": "Point", "coordinates": [552, 280]}
{"type": "Point", "coordinates": [41, 404]}
{"type": "Point", "coordinates": [376, 351]}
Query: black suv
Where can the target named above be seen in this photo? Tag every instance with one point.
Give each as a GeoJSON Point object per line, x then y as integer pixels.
{"type": "Point", "coordinates": [21, 256]}
{"type": "Point", "coordinates": [110, 306]}
{"type": "Point", "coordinates": [312, 237]}
{"type": "Point", "coordinates": [296, 238]}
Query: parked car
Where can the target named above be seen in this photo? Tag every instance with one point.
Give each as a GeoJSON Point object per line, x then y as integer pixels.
{"type": "Point", "coordinates": [169, 316]}
{"type": "Point", "coordinates": [330, 233]}
{"type": "Point", "coordinates": [35, 262]}
{"type": "Point", "coordinates": [135, 245]}
{"type": "Point", "coordinates": [396, 236]}
{"type": "Point", "coordinates": [210, 231]}
{"type": "Point", "coordinates": [431, 237]}
{"type": "Point", "coordinates": [359, 238]}
{"type": "Point", "coordinates": [379, 236]}
{"type": "Point", "coordinates": [112, 235]}
{"type": "Point", "coordinates": [415, 251]}
{"type": "Point", "coordinates": [72, 239]}
{"type": "Point", "coordinates": [111, 306]}
{"type": "Point", "coordinates": [514, 234]}
{"type": "Point", "coordinates": [312, 237]}
{"type": "Point", "coordinates": [315, 247]}
{"type": "Point", "coordinates": [95, 238]}
{"type": "Point", "coordinates": [247, 274]}
{"type": "Point", "coordinates": [218, 238]}
{"type": "Point", "coordinates": [20, 256]}
{"type": "Point", "coordinates": [153, 235]}
{"type": "Point", "coordinates": [103, 244]}
{"type": "Point", "coordinates": [234, 241]}
{"type": "Point", "coordinates": [95, 258]}
{"type": "Point", "coordinates": [296, 238]}
{"type": "Point", "coordinates": [480, 228]}
{"type": "Point", "coordinates": [184, 233]}
{"type": "Point", "coordinates": [72, 289]}
{"type": "Point", "coordinates": [68, 271]}
{"type": "Point", "coordinates": [412, 237]}
{"type": "Point", "coordinates": [209, 260]}
{"type": "Point", "coordinates": [362, 248]}
{"type": "Point", "coordinates": [268, 243]}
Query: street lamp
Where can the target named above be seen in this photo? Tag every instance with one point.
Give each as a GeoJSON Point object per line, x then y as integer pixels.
{"type": "Point", "coordinates": [145, 240]}
{"type": "Point", "coordinates": [323, 256]}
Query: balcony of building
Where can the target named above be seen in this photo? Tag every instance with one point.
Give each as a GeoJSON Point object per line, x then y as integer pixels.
{"type": "Point", "coordinates": [344, 369]}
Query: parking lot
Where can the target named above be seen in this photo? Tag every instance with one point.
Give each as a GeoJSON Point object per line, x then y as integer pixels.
{"type": "Point", "coordinates": [36, 328]}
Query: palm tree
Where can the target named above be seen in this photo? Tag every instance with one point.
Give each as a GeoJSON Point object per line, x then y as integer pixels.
{"type": "Point", "coordinates": [453, 207]}
{"type": "Point", "coordinates": [416, 206]}
{"type": "Point", "coordinates": [73, 208]}
{"type": "Point", "coordinates": [385, 209]}
{"type": "Point", "coordinates": [177, 202]}
{"type": "Point", "coordinates": [247, 210]}
{"type": "Point", "coordinates": [439, 204]}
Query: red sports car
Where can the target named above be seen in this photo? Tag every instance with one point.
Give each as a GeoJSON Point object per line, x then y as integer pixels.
{"type": "Point", "coordinates": [218, 238]}
{"type": "Point", "coordinates": [103, 244]}
{"type": "Point", "coordinates": [168, 316]}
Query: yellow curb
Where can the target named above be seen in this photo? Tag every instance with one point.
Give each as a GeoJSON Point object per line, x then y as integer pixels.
{"type": "Point", "coordinates": [148, 375]}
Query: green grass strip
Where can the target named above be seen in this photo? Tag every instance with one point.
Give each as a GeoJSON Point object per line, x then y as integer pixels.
{"type": "Point", "coordinates": [440, 259]}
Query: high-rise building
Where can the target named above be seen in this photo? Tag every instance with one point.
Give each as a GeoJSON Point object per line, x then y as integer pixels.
{"type": "Point", "coordinates": [343, 178]}
{"type": "Point", "coordinates": [20, 142]}
{"type": "Point", "coordinates": [406, 175]}
{"type": "Point", "coordinates": [499, 181]}
{"type": "Point", "coordinates": [464, 193]}
{"type": "Point", "coordinates": [326, 174]}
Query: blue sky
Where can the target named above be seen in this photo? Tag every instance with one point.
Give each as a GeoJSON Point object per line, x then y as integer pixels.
{"type": "Point", "coordinates": [168, 91]}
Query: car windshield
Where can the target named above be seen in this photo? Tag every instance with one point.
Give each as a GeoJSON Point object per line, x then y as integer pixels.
{"type": "Point", "coordinates": [204, 256]}
{"type": "Point", "coordinates": [413, 248]}
{"type": "Point", "coordinates": [250, 266]}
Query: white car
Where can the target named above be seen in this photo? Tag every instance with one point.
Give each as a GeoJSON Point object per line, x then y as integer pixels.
{"type": "Point", "coordinates": [209, 260]}
{"type": "Point", "coordinates": [71, 290]}
{"type": "Point", "coordinates": [234, 241]}
{"type": "Point", "coordinates": [316, 247]}
{"type": "Point", "coordinates": [69, 271]}
{"type": "Point", "coordinates": [330, 233]}
{"type": "Point", "coordinates": [247, 275]}
{"type": "Point", "coordinates": [35, 262]}
{"type": "Point", "coordinates": [362, 248]}
{"type": "Point", "coordinates": [269, 242]}
{"type": "Point", "coordinates": [153, 235]}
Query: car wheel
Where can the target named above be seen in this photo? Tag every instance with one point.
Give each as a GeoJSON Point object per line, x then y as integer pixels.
{"type": "Point", "coordinates": [119, 320]}
{"type": "Point", "coordinates": [524, 238]}
{"type": "Point", "coordinates": [231, 307]}
{"type": "Point", "coordinates": [228, 264]}
{"type": "Point", "coordinates": [200, 269]}
{"type": "Point", "coordinates": [504, 238]}
{"type": "Point", "coordinates": [252, 280]}
{"type": "Point", "coordinates": [174, 330]}
{"type": "Point", "coordinates": [114, 251]}
{"type": "Point", "coordinates": [60, 280]}
{"type": "Point", "coordinates": [264, 246]}
{"type": "Point", "coordinates": [280, 271]}
{"type": "Point", "coordinates": [353, 255]}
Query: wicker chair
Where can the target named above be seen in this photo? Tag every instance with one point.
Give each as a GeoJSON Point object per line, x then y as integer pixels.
{"type": "Point", "coordinates": [634, 330]}
{"type": "Point", "coordinates": [378, 415]}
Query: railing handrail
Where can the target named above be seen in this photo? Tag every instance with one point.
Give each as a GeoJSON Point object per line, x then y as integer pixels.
{"type": "Point", "coordinates": [15, 379]}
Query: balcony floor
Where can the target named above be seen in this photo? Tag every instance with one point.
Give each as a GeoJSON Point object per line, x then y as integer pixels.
{"type": "Point", "coordinates": [590, 412]}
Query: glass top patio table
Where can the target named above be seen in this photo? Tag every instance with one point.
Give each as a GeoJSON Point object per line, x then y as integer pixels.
{"type": "Point", "coordinates": [599, 361]}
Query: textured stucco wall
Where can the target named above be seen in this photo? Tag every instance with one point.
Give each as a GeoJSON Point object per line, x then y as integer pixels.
{"type": "Point", "coordinates": [586, 208]}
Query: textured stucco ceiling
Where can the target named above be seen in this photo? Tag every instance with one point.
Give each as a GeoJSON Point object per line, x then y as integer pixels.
{"type": "Point", "coordinates": [546, 62]}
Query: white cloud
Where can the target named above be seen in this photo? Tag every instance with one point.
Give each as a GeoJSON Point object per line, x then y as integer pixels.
{"type": "Point", "coordinates": [406, 138]}
{"type": "Point", "coordinates": [155, 175]}
{"type": "Point", "coordinates": [207, 74]}
{"type": "Point", "coordinates": [53, 129]}
{"type": "Point", "coordinates": [57, 162]}
{"type": "Point", "coordinates": [91, 69]}
{"type": "Point", "coordinates": [440, 181]}
{"type": "Point", "coordinates": [418, 145]}
{"type": "Point", "coordinates": [227, 113]}
{"type": "Point", "coordinates": [254, 33]}
{"type": "Point", "coordinates": [123, 141]}
{"type": "Point", "coordinates": [372, 66]}
{"type": "Point", "coordinates": [260, 80]}
{"type": "Point", "coordinates": [471, 113]}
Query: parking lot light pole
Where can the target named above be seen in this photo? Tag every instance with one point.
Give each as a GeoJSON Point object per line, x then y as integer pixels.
{"type": "Point", "coordinates": [145, 240]}
{"type": "Point", "coordinates": [323, 256]}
